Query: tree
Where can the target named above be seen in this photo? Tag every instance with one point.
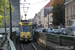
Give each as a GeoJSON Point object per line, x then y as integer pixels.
{"type": "Point", "coordinates": [58, 12]}
{"type": "Point", "coordinates": [6, 11]}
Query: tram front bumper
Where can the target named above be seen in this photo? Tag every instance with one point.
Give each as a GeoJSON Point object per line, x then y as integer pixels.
{"type": "Point", "coordinates": [25, 39]}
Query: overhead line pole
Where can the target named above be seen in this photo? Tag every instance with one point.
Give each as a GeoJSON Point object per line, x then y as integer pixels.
{"type": "Point", "coordinates": [10, 20]}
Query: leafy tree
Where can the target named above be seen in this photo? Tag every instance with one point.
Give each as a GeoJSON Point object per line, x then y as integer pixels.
{"type": "Point", "coordinates": [6, 11]}
{"type": "Point", "coordinates": [58, 11]}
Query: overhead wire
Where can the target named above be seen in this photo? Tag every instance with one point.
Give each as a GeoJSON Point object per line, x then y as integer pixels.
{"type": "Point", "coordinates": [38, 2]}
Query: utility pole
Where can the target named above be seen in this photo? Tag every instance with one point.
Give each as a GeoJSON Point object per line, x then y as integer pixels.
{"type": "Point", "coordinates": [10, 20]}
{"type": "Point", "coordinates": [5, 19]}
{"type": "Point", "coordinates": [48, 19]}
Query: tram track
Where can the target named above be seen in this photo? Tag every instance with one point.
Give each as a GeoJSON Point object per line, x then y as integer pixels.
{"type": "Point", "coordinates": [22, 46]}
{"type": "Point", "coordinates": [29, 46]}
{"type": "Point", "coordinates": [34, 46]}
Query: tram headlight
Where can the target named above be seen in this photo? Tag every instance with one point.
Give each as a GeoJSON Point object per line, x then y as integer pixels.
{"type": "Point", "coordinates": [23, 36]}
{"type": "Point", "coordinates": [27, 36]}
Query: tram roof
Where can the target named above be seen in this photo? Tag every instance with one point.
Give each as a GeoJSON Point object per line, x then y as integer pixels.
{"type": "Point", "coordinates": [24, 21]}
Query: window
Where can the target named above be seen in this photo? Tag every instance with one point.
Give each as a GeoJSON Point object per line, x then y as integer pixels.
{"type": "Point", "coordinates": [39, 21]}
{"type": "Point", "coordinates": [74, 10]}
{"type": "Point", "coordinates": [39, 17]}
{"type": "Point", "coordinates": [72, 22]}
{"type": "Point", "coordinates": [26, 28]}
{"type": "Point", "coordinates": [67, 12]}
{"type": "Point", "coordinates": [67, 1]}
{"type": "Point", "coordinates": [71, 11]}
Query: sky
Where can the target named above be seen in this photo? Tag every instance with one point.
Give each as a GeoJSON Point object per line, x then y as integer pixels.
{"type": "Point", "coordinates": [34, 7]}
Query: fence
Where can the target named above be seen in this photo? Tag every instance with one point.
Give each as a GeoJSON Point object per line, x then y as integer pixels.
{"type": "Point", "coordinates": [62, 40]}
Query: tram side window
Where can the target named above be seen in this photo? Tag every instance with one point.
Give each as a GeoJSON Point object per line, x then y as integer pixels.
{"type": "Point", "coordinates": [19, 28]}
{"type": "Point", "coordinates": [30, 28]}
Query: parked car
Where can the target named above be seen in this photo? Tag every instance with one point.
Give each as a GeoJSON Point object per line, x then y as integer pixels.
{"type": "Point", "coordinates": [37, 30]}
{"type": "Point", "coordinates": [56, 31]}
{"type": "Point", "coordinates": [70, 30]}
{"type": "Point", "coordinates": [13, 30]}
{"type": "Point", "coordinates": [63, 31]}
{"type": "Point", "coordinates": [49, 30]}
{"type": "Point", "coordinates": [42, 30]}
{"type": "Point", "coordinates": [1, 38]}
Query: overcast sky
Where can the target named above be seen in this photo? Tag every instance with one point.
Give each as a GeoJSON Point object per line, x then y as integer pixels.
{"type": "Point", "coordinates": [34, 7]}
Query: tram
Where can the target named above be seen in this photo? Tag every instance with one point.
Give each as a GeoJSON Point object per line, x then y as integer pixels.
{"type": "Point", "coordinates": [25, 31]}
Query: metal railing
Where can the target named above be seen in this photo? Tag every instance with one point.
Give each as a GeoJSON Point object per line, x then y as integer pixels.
{"type": "Point", "coordinates": [12, 47]}
{"type": "Point", "coordinates": [62, 40]}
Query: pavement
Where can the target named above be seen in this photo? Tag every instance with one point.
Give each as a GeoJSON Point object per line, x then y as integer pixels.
{"type": "Point", "coordinates": [5, 45]}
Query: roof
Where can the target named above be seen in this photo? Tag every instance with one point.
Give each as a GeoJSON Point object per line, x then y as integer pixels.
{"type": "Point", "coordinates": [49, 4]}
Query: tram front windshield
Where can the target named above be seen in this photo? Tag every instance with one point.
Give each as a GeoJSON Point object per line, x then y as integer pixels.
{"type": "Point", "coordinates": [26, 28]}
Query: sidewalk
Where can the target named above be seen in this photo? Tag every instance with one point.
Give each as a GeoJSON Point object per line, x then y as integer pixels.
{"type": "Point", "coordinates": [14, 39]}
{"type": "Point", "coordinates": [5, 45]}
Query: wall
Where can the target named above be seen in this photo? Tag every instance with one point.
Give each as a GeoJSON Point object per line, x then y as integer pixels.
{"type": "Point", "coordinates": [16, 13]}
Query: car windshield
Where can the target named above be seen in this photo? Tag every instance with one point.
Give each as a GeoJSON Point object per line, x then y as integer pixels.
{"type": "Point", "coordinates": [73, 28]}
{"type": "Point", "coordinates": [26, 28]}
{"type": "Point", "coordinates": [41, 29]}
{"type": "Point", "coordinates": [64, 29]}
{"type": "Point", "coordinates": [55, 29]}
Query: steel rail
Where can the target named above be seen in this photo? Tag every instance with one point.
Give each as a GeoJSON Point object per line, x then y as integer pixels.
{"type": "Point", "coordinates": [33, 46]}
{"type": "Point", "coordinates": [22, 46]}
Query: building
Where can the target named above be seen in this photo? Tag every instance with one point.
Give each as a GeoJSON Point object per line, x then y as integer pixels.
{"type": "Point", "coordinates": [38, 19]}
{"type": "Point", "coordinates": [31, 20]}
{"type": "Point", "coordinates": [41, 18]}
{"type": "Point", "coordinates": [34, 20]}
{"type": "Point", "coordinates": [15, 14]}
{"type": "Point", "coordinates": [49, 17]}
{"type": "Point", "coordinates": [45, 12]}
{"type": "Point", "coordinates": [69, 13]}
